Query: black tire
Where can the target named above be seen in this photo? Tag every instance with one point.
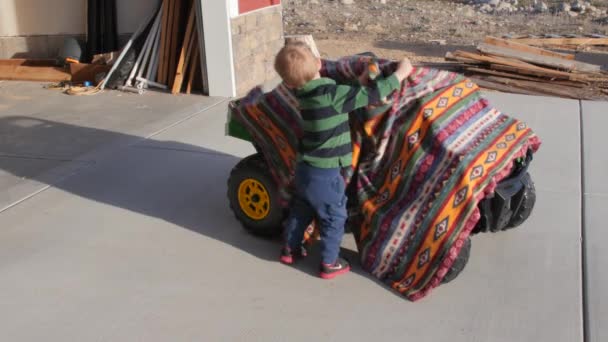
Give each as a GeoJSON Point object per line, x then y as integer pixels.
{"type": "Point", "coordinates": [460, 262]}
{"type": "Point", "coordinates": [510, 207]}
{"type": "Point", "coordinates": [526, 204]}
{"type": "Point", "coordinates": [254, 167]}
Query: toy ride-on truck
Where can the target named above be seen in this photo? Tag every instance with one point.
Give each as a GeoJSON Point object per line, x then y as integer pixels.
{"type": "Point", "coordinates": [253, 193]}
{"type": "Point", "coordinates": [504, 194]}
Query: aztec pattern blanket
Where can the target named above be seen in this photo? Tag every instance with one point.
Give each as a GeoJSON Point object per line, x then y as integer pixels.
{"type": "Point", "coordinates": [419, 172]}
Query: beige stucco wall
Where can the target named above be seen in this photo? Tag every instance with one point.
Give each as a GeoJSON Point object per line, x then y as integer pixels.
{"type": "Point", "coordinates": [61, 17]}
{"type": "Point", "coordinates": [41, 17]}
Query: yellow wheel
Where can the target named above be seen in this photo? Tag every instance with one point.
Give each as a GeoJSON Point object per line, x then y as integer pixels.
{"type": "Point", "coordinates": [254, 199]}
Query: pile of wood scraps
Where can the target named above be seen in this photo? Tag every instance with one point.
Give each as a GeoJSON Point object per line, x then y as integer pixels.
{"type": "Point", "coordinates": [171, 57]}
{"type": "Point", "coordinates": [510, 66]}
{"type": "Point", "coordinates": [166, 52]}
{"type": "Point", "coordinates": [568, 42]}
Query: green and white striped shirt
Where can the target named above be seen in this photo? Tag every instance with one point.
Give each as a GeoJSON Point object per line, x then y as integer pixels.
{"type": "Point", "coordinates": [324, 107]}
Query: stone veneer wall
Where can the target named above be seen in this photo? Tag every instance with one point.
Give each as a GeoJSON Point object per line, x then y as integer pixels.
{"type": "Point", "coordinates": [256, 38]}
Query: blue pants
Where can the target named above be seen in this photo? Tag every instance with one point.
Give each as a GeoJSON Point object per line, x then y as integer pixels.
{"type": "Point", "coordinates": [320, 193]}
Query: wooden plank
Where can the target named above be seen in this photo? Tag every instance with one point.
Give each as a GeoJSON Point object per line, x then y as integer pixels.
{"type": "Point", "coordinates": [558, 63]}
{"type": "Point", "coordinates": [449, 56]}
{"type": "Point", "coordinates": [28, 62]}
{"type": "Point", "coordinates": [184, 56]}
{"type": "Point", "coordinates": [541, 72]}
{"type": "Point", "coordinates": [162, 51]}
{"type": "Point", "coordinates": [516, 66]}
{"type": "Point", "coordinates": [174, 43]}
{"type": "Point", "coordinates": [440, 65]}
{"type": "Point", "coordinates": [549, 89]}
{"type": "Point", "coordinates": [563, 41]}
{"type": "Point", "coordinates": [576, 84]}
{"type": "Point", "coordinates": [33, 73]}
{"type": "Point", "coordinates": [194, 65]}
{"type": "Point", "coordinates": [500, 73]}
{"type": "Point", "coordinates": [503, 88]}
{"type": "Point", "coordinates": [191, 52]}
{"type": "Point", "coordinates": [82, 72]}
{"type": "Point", "coordinates": [525, 48]}
{"type": "Point", "coordinates": [170, 27]}
{"type": "Point", "coordinates": [498, 60]}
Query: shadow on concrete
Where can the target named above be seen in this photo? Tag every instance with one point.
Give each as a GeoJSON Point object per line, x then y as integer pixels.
{"type": "Point", "coordinates": [179, 183]}
{"type": "Point", "coordinates": [150, 180]}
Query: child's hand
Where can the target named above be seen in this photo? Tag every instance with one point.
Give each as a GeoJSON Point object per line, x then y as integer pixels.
{"type": "Point", "coordinates": [364, 78]}
{"type": "Point", "coordinates": [404, 69]}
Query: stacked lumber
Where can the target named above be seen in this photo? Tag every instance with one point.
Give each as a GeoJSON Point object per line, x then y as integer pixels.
{"type": "Point", "coordinates": [571, 42]}
{"type": "Point", "coordinates": [179, 53]}
{"type": "Point", "coordinates": [169, 54]}
{"type": "Point", "coordinates": [171, 57]}
{"type": "Point", "coordinates": [510, 66]}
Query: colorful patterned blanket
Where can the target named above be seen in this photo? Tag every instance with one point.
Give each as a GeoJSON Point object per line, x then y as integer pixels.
{"type": "Point", "coordinates": [420, 169]}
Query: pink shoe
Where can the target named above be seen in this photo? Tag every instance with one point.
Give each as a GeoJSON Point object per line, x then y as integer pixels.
{"type": "Point", "coordinates": [341, 266]}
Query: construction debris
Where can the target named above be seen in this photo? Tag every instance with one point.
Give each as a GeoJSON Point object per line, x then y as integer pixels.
{"type": "Point", "coordinates": [510, 66]}
{"type": "Point", "coordinates": [592, 43]}
{"type": "Point", "coordinates": [574, 42]}
{"type": "Point", "coordinates": [171, 53]}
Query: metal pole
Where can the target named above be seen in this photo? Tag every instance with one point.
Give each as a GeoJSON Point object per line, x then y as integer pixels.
{"type": "Point", "coordinates": [153, 33]}
{"type": "Point", "coordinates": [126, 49]}
{"type": "Point", "coordinates": [152, 83]}
{"type": "Point", "coordinates": [129, 81]}
{"type": "Point", "coordinates": [132, 90]}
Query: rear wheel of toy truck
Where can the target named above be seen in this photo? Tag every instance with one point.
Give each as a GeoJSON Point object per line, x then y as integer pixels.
{"type": "Point", "coordinates": [526, 200]}
{"type": "Point", "coordinates": [512, 202]}
{"type": "Point", "coordinates": [460, 262]}
{"type": "Point", "coordinates": [253, 197]}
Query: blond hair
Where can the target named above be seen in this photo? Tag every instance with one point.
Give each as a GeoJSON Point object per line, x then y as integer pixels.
{"type": "Point", "coordinates": [296, 64]}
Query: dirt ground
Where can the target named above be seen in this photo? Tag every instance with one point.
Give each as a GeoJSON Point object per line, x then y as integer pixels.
{"type": "Point", "coordinates": [408, 27]}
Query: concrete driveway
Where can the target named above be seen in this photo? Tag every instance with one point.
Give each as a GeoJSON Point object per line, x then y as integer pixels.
{"type": "Point", "coordinates": [131, 238]}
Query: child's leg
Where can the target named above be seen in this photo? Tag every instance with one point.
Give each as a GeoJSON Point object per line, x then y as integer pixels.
{"type": "Point", "coordinates": [332, 232]}
{"type": "Point", "coordinates": [329, 200]}
{"type": "Point", "coordinates": [300, 217]}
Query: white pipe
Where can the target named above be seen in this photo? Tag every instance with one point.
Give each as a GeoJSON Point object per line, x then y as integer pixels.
{"type": "Point", "coordinates": [126, 49]}
{"type": "Point", "coordinates": [132, 90]}
{"type": "Point", "coordinates": [153, 33]}
{"type": "Point", "coordinates": [139, 59]}
{"type": "Point", "coordinates": [152, 83]}
{"type": "Point", "coordinates": [153, 69]}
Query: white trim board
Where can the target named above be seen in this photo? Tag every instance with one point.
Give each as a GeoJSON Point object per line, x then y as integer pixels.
{"type": "Point", "coordinates": [218, 47]}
